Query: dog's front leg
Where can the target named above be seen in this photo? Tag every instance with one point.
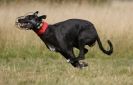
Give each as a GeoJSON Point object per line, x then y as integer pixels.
{"type": "Point", "coordinates": [69, 55]}
{"type": "Point", "coordinates": [70, 60]}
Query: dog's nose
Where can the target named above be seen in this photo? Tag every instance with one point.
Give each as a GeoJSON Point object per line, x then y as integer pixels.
{"type": "Point", "coordinates": [20, 20]}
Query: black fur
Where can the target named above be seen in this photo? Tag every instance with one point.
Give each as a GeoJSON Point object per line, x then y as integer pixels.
{"type": "Point", "coordinates": [62, 37]}
{"type": "Point", "coordinates": [66, 35]}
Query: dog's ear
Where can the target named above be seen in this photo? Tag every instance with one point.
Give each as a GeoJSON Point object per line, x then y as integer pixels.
{"type": "Point", "coordinates": [36, 13]}
{"type": "Point", "coordinates": [42, 17]}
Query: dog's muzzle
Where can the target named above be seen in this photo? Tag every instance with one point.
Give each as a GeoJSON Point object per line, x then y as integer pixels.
{"type": "Point", "coordinates": [21, 23]}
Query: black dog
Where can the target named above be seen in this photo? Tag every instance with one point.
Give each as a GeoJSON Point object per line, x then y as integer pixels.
{"type": "Point", "coordinates": [64, 36]}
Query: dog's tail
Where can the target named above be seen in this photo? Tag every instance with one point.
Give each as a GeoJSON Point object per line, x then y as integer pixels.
{"type": "Point", "coordinates": [108, 52]}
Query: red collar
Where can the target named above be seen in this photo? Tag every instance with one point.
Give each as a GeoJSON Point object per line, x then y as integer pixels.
{"type": "Point", "coordinates": [43, 28]}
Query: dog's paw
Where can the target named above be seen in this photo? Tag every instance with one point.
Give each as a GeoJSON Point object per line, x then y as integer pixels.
{"type": "Point", "coordinates": [82, 65]}
{"type": "Point", "coordinates": [77, 64]}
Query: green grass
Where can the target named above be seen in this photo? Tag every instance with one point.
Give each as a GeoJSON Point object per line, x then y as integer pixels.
{"type": "Point", "coordinates": [31, 66]}
{"type": "Point", "coordinates": [55, 71]}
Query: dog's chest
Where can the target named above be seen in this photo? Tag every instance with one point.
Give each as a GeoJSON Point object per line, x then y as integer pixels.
{"type": "Point", "coordinates": [51, 47]}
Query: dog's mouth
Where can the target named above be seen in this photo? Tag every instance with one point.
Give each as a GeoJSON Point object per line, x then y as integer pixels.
{"type": "Point", "coordinates": [29, 21]}
{"type": "Point", "coordinates": [21, 23]}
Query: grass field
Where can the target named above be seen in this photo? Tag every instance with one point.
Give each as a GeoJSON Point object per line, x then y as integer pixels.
{"type": "Point", "coordinates": [24, 59]}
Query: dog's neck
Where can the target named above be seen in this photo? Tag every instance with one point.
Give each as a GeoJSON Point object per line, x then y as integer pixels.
{"type": "Point", "coordinates": [42, 28]}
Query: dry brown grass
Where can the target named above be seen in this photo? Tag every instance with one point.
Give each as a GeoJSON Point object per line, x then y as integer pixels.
{"type": "Point", "coordinates": [112, 22]}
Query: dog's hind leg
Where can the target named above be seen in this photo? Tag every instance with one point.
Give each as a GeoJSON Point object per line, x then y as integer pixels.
{"type": "Point", "coordinates": [69, 58]}
{"type": "Point", "coordinates": [85, 50]}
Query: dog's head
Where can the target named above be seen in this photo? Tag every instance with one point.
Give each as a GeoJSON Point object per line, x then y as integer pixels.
{"type": "Point", "coordinates": [29, 21]}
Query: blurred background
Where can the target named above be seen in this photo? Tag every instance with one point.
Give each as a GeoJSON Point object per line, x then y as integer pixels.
{"type": "Point", "coordinates": [113, 20]}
